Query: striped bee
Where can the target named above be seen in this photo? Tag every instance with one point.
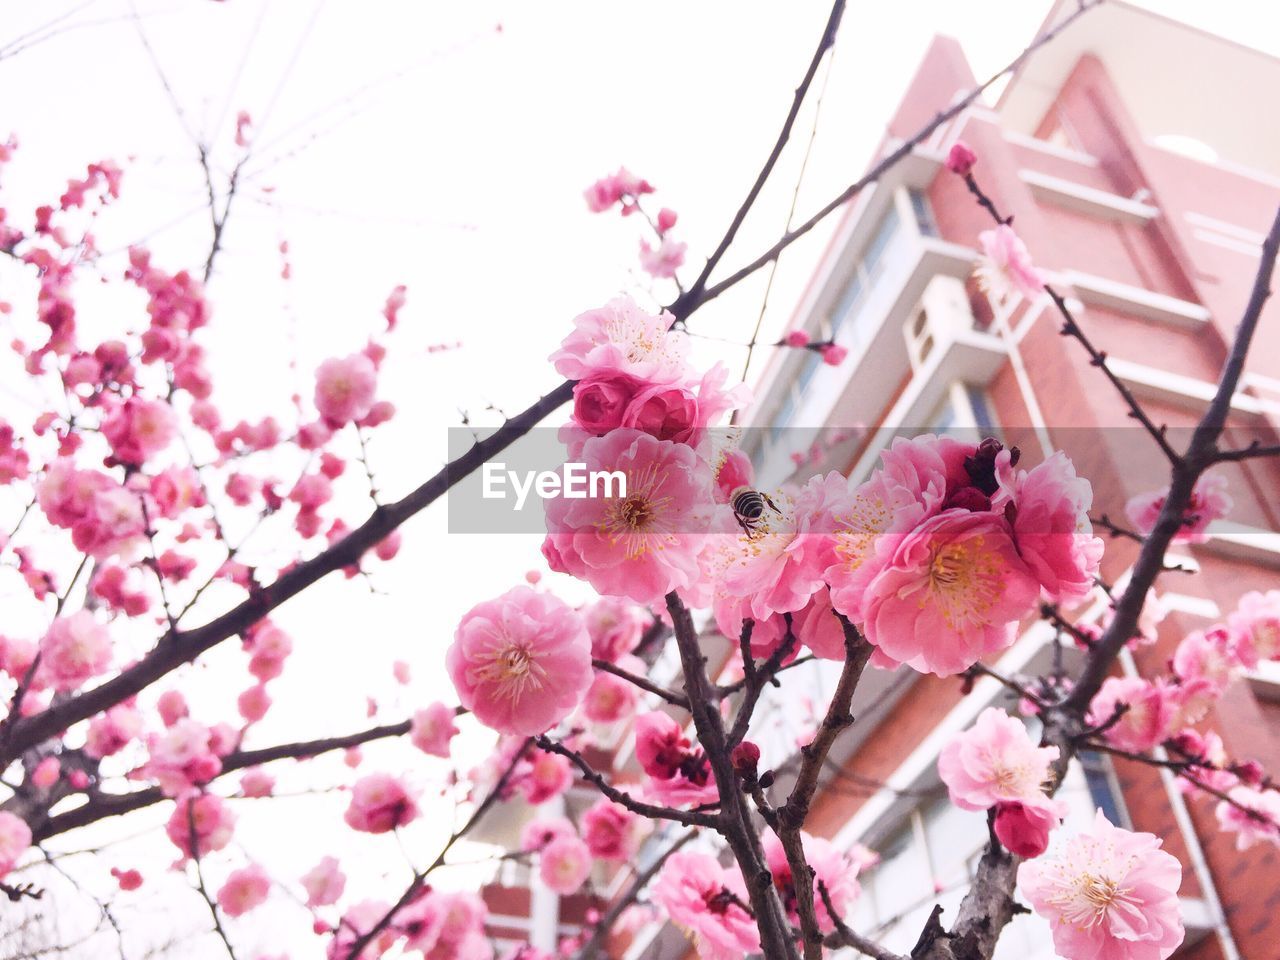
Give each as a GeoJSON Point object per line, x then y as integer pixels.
{"type": "Point", "coordinates": [748, 508]}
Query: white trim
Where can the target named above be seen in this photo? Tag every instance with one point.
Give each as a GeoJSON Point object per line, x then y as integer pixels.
{"type": "Point", "coordinates": [1222, 226]}
{"type": "Point", "coordinates": [1227, 243]}
{"type": "Point", "coordinates": [1265, 680]}
{"type": "Point", "coordinates": [1227, 166]}
{"type": "Point", "coordinates": [1185, 603]}
{"type": "Point", "coordinates": [1126, 298]}
{"type": "Point", "coordinates": [1051, 149]}
{"type": "Point", "coordinates": [1160, 384]}
{"type": "Point", "coordinates": [1253, 544]}
{"type": "Point", "coordinates": [1088, 200]}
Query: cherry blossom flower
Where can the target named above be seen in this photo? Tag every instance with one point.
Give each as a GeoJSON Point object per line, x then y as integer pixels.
{"type": "Point", "coordinates": [679, 773]}
{"type": "Point", "coordinates": [1147, 719]}
{"type": "Point", "coordinates": [182, 757]}
{"type": "Point", "coordinates": [952, 592]}
{"type": "Point", "coordinates": [1005, 266]}
{"type": "Point", "coordinates": [127, 880]}
{"type": "Point", "coordinates": [522, 662]}
{"type": "Point", "coordinates": [709, 903]}
{"type": "Point", "coordinates": [1212, 656]}
{"type": "Point", "coordinates": [345, 389]}
{"type": "Point", "coordinates": [610, 698]}
{"type": "Point", "coordinates": [1023, 826]}
{"type": "Point", "coordinates": [833, 354]}
{"type": "Point", "coordinates": [324, 883]}
{"type": "Point", "coordinates": [1110, 894]}
{"type": "Point", "coordinates": [961, 158]}
{"type": "Point", "coordinates": [541, 831]}
{"type": "Point", "coordinates": [623, 185]}
{"type": "Point", "coordinates": [615, 627]}
{"type": "Point", "coordinates": [380, 803]}
{"type": "Point", "coordinates": [611, 831]}
{"type": "Point", "coordinates": [994, 761]}
{"type": "Point", "coordinates": [138, 429]}
{"type": "Point", "coordinates": [47, 773]}
{"type": "Point", "coordinates": [1258, 821]}
{"type": "Point", "coordinates": [447, 926]}
{"type": "Point", "coordinates": [244, 890]}
{"type": "Point", "coordinates": [621, 338]}
{"type": "Point", "coordinates": [548, 775]}
{"type": "Point", "coordinates": [357, 923]}
{"type": "Point", "coordinates": [1255, 623]}
{"type": "Point", "coordinates": [204, 817]}
{"type": "Point", "coordinates": [257, 783]}
{"type": "Point", "coordinates": [1209, 501]}
{"type": "Point", "coordinates": [15, 840]}
{"type": "Point", "coordinates": [111, 732]}
{"type": "Point", "coordinates": [830, 868]}
{"type": "Point", "coordinates": [663, 260]}
{"type": "Point", "coordinates": [76, 649]}
{"type": "Point", "coordinates": [564, 865]}
{"type": "Point", "coordinates": [432, 729]}
{"type": "Point", "coordinates": [646, 544]}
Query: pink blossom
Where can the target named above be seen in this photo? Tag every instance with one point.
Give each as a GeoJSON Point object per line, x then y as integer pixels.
{"type": "Point", "coordinates": [138, 429]}
{"type": "Point", "coordinates": [679, 773]}
{"type": "Point", "coordinates": [961, 158]}
{"type": "Point", "coordinates": [345, 389]}
{"type": "Point", "coordinates": [542, 831]}
{"type": "Point", "coordinates": [206, 818]}
{"type": "Point", "coordinates": [47, 773]}
{"type": "Point", "coordinates": [615, 627]}
{"type": "Point", "coordinates": [548, 776]}
{"type": "Point", "coordinates": [647, 544]}
{"type": "Point", "coordinates": [76, 649]}
{"type": "Point", "coordinates": [244, 128]}
{"type": "Point", "coordinates": [358, 923]}
{"type": "Point", "coordinates": [708, 902]}
{"type": "Point", "coordinates": [1256, 626]}
{"type": "Point", "coordinates": [663, 260]}
{"type": "Point", "coordinates": [1110, 895]}
{"type": "Point", "coordinates": [1005, 266]}
{"type": "Point", "coordinates": [600, 402]}
{"type": "Point", "coordinates": [733, 473]}
{"type": "Point", "coordinates": [254, 703]}
{"type": "Point", "coordinates": [324, 883]}
{"type": "Point", "coordinates": [432, 729]}
{"type": "Point", "coordinates": [952, 592]}
{"type": "Point", "coordinates": [182, 757]}
{"type": "Point", "coordinates": [15, 840]}
{"type": "Point", "coordinates": [257, 783]}
{"type": "Point", "coordinates": [833, 354]}
{"type": "Point", "coordinates": [244, 890]}
{"type": "Point", "coordinates": [623, 185]}
{"type": "Point", "coordinates": [447, 926]}
{"type": "Point", "coordinates": [1023, 826]}
{"type": "Point", "coordinates": [1259, 821]}
{"type": "Point", "coordinates": [1145, 722]}
{"type": "Point", "coordinates": [797, 339]}
{"type": "Point", "coordinates": [1052, 531]}
{"type": "Point", "coordinates": [395, 302]}
{"type": "Point", "coordinates": [1212, 656]}
{"type": "Point", "coordinates": [111, 732]}
{"type": "Point", "coordinates": [522, 662]}
{"type": "Point", "coordinates": [127, 879]}
{"type": "Point", "coordinates": [565, 864]}
{"type": "Point", "coordinates": [666, 219]}
{"type": "Point", "coordinates": [172, 707]}
{"type": "Point", "coordinates": [1209, 501]}
{"type": "Point", "coordinates": [380, 803]}
{"type": "Point", "coordinates": [994, 761]}
{"type": "Point", "coordinates": [104, 518]}
{"type": "Point", "coordinates": [830, 868]}
{"type": "Point", "coordinates": [611, 831]}
{"type": "Point", "coordinates": [621, 338]}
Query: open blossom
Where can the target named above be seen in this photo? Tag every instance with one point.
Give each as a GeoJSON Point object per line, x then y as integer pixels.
{"type": "Point", "coordinates": [548, 776]}
{"type": "Point", "coordinates": [138, 429]}
{"type": "Point", "coordinates": [76, 649]}
{"type": "Point", "coordinates": [709, 903]}
{"type": "Point", "coordinates": [1255, 625]}
{"type": "Point", "coordinates": [380, 803]}
{"type": "Point", "coordinates": [1005, 267]}
{"type": "Point", "coordinates": [830, 867]}
{"type": "Point", "coordinates": [432, 728]}
{"type": "Point", "coordinates": [204, 817]}
{"type": "Point", "coordinates": [1259, 821]}
{"type": "Point", "coordinates": [663, 260]}
{"type": "Point", "coordinates": [994, 761]}
{"type": "Point", "coordinates": [1110, 894]}
{"type": "Point", "coordinates": [183, 756]}
{"type": "Point", "coordinates": [679, 772]}
{"type": "Point", "coordinates": [1209, 501]}
{"type": "Point", "coordinates": [621, 338]}
{"type": "Point", "coordinates": [447, 926]}
{"type": "Point", "coordinates": [104, 518]}
{"type": "Point", "coordinates": [607, 191]}
{"type": "Point", "coordinates": [345, 388]}
{"type": "Point", "coordinates": [646, 544]}
{"type": "Point", "coordinates": [952, 592]}
{"type": "Point", "coordinates": [244, 890]}
{"type": "Point", "coordinates": [324, 883]}
{"type": "Point", "coordinates": [15, 840]}
{"type": "Point", "coordinates": [110, 732]}
{"type": "Point", "coordinates": [615, 627]}
{"type": "Point", "coordinates": [564, 865]}
{"type": "Point", "coordinates": [1148, 716]}
{"type": "Point", "coordinates": [610, 698]}
{"type": "Point", "coordinates": [542, 831]}
{"type": "Point", "coordinates": [611, 831]}
{"type": "Point", "coordinates": [522, 662]}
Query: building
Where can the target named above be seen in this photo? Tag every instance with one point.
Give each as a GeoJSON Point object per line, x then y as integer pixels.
{"type": "Point", "coordinates": [1142, 180]}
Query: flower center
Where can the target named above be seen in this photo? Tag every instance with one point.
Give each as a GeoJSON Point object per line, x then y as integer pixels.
{"type": "Point", "coordinates": [965, 581]}
{"type": "Point", "coordinates": [636, 511]}
{"type": "Point", "coordinates": [511, 669]}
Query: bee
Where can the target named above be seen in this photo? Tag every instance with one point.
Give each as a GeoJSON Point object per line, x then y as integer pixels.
{"type": "Point", "coordinates": [748, 508]}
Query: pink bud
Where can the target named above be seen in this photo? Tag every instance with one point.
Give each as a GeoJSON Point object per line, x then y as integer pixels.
{"type": "Point", "coordinates": [666, 219]}
{"type": "Point", "coordinates": [833, 354]}
{"type": "Point", "coordinates": [745, 758]}
{"type": "Point", "coordinates": [797, 338]}
{"type": "Point", "coordinates": [961, 158]}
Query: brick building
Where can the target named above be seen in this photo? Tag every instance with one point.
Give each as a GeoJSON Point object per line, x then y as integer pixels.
{"type": "Point", "coordinates": [1142, 180]}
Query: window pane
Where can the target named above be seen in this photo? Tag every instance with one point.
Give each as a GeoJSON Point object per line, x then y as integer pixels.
{"type": "Point", "coordinates": [924, 213]}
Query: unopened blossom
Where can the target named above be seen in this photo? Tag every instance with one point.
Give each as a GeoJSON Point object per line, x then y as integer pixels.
{"type": "Point", "coordinates": [833, 354]}
{"type": "Point", "coordinates": [432, 728]}
{"type": "Point", "coordinates": [1258, 821]}
{"type": "Point", "coordinates": [1110, 894]}
{"type": "Point", "coordinates": [15, 840]}
{"type": "Point", "coordinates": [620, 337]}
{"type": "Point", "coordinates": [952, 592]}
{"type": "Point", "coordinates": [324, 883]}
{"type": "Point", "coordinates": [564, 865]}
{"type": "Point", "coordinates": [521, 662]}
{"type": "Point", "coordinates": [244, 890]}
{"type": "Point", "coordinates": [663, 260]}
{"type": "Point", "coordinates": [611, 831]}
{"type": "Point", "coordinates": [1256, 626]}
{"type": "Point", "coordinates": [1209, 502]}
{"type": "Point", "coordinates": [646, 544]}
{"type": "Point", "coordinates": [254, 703]}
{"type": "Point", "coordinates": [709, 903]}
{"type": "Point", "coordinates": [1147, 712]}
{"type": "Point", "coordinates": [47, 773]}
{"type": "Point", "coordinates": [961, 158]}
{"type": "Point", "coordinates": [1005, 267]}
{"type": "Point", "coordinates": [257, 783]}
{"type": "Point", "coordinates": [127, 880]}
{"type": "Point", "coordinates": [1023, 826]}
{"type": "Point", "coordinates": [345, 388]}
{"type": "Point", "coordinates": [831, 869]}
{"type": "Point", "coordinates": [797, 338]}
{"type": "Point", "coordinates": [204, 818]}
{"type": "Point", "coordinates": [380, 803]}
{"type": "Point", "coordinates": [76, 649]}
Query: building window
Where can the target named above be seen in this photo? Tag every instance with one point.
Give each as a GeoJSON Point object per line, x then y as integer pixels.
{"type": "Point", "coordinates": [866, 271]}
{"type": "Point", "coordinates": [963, 408]}
{"type": "Point", "coordinates": [1104, 789]}
{"type": "Point", "coordinates": [923, 211]}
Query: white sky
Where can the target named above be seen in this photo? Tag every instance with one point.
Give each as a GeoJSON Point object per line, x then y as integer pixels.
{"type": "Point", "coordinates": [410, 142]}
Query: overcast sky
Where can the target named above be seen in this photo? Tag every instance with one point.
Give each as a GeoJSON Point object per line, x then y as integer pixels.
{"type": "Point", "coordinates": [446, 146]}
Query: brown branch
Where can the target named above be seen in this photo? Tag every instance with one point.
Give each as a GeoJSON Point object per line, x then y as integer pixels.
{"type": "Point", "coordinates": [1253, 451]}
{"type": "Point", "coordinates": [845, 937]}
{"type": "Point", "coordinates": [670, 696]}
